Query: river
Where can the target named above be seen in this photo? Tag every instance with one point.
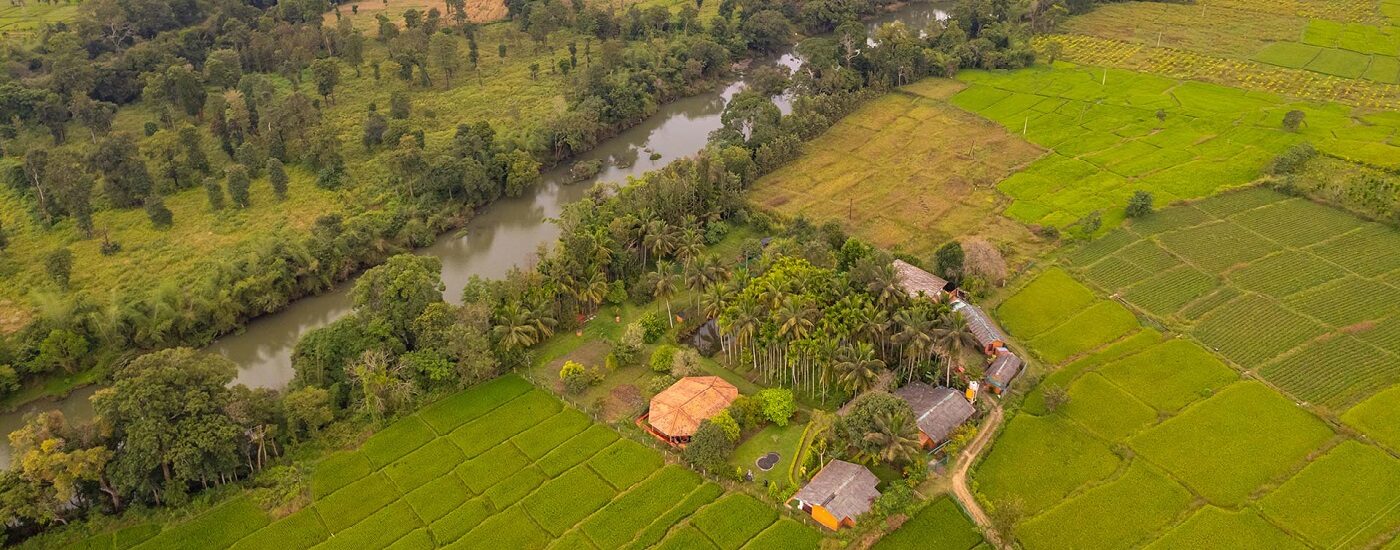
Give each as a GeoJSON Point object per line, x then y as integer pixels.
{"type": "Point", "coordinates": [503, 235]}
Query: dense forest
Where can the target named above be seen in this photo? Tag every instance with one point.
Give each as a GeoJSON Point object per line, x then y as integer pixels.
{"type": "Point", "coordinates": [227, 80]}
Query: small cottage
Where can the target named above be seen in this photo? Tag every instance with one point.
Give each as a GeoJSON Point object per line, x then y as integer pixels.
{"type": "Point", "coordinates": [838, 494]}
{"type": "Point", "coordinates": [677, 412]}
{"type": "Point", "coordinates": [937, 411]}
{"type": "Point", "coordinates": [1002, 371]}
{"type": "Point", "coordinates": [981, 327]}
{"type": "Point", "coordinates": [917, 282]}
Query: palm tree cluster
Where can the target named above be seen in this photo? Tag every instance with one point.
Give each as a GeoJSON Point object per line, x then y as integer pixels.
{"type": "Point", "coordinates": [833, 332]}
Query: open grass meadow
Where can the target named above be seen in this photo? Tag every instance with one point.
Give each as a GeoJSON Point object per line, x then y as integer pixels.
{"type": "Point", "coordinates": [1113, 132]}
{"type": "Point", "coordinates": [500, 465]}
{"type": "Point", "coordinates": [907, 171]}
{"type": "Point", "coordinates": [1297, 292]}
{"type": "Point", "coordinates": [939, 525]}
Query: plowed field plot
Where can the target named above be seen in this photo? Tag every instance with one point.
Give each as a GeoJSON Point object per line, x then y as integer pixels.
{"type": "Point", "coordinates": [501, 465]}
{"type": "Point", "coordinates": [906, 170]}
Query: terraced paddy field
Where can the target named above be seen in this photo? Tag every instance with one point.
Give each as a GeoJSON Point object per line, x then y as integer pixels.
{"type": "Point", "coordinates": [1113, 132]}
{"type": "Point", "coordinates": [1301, 294]}
{"type": "Point", "coordinates": [501, 465]}
{"type": "Point", "coordinates": [907, 171]}
{"type": "Point", "coordinates": [939, 525]}
{"type": "Point", "coordinates": [1162, 444]}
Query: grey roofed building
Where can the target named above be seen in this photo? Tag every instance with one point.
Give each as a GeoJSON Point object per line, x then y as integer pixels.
{"type": "Point", "coordinates": [980, 325]}
{"type": "Point", "coordinates": [937, 411]}
{"type": "Point", "coordinates": [1003, 370]}
{"type": "Point", "coordinates": [844, 489]}
{"type": "Point", "coordinates": [915, 281]}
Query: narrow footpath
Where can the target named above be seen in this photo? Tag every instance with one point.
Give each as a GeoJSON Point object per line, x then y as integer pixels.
{"type": "Point", "coordinates": [959, 477]}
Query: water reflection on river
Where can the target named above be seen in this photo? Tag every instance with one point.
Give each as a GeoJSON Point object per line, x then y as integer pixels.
{"type": "Point", "coordinates": [506, 234]}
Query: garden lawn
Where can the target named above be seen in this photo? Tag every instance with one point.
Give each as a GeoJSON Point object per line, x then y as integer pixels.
{"type": "Point", "coordinates": [940, 525]}
{"type": "Point", "coordinates": [783, 440]}
{"type": "Point", "coordinates": [1211, 527]}
{"type": "Point", "coordinates": [1378, 417]}
{"type": "Point", "coordinates": [1116, 514]}
{"type": "Point", "coordinates": [1041, 460]}
{"type": "Point", "coordinates": [1227, 446]}
{"type": "Point", "coordinates": [1346, 498]}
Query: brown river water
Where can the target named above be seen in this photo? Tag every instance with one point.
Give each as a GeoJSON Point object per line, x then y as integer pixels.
{"type": "Point", "coordinates": [503, 235]}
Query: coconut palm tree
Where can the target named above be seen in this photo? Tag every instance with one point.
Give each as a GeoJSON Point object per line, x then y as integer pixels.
{"type": "Point", "coordinates": [514, 328]}
{"type": "Point", "coordinates": [657, 239]}
{"type": "Point", "coordinates": [895, 439]}
{"type": "Point", "coordinates": [664, 284]}
{"type": "Point", "coordinates": [859, 368]}
{"type": "Point", "coordinates": [951, 339]}
{"type": "Point", "coordinates": [915, 336]}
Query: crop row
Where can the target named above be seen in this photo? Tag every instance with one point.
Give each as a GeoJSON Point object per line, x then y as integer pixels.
{"type": "Point", "coordinates": [1217, 246]}
{"type": "Point", "coordinates": [1347, 301]}
{"type": "Point", "coordinates": [1337, 372]}
{"type": "Point", "coordinates": [1252, 329]}
{"type": "Point", "coordinates": [1166, 292]}
{"type": "Point", "coordinates": [1285, 273]}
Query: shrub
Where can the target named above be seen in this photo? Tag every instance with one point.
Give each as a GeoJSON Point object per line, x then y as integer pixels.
{"type": "Point", "coordinates": [778, 405]}
{"type": "Point", "coordinates": [653, 326]}
{"type": "Point", "coordinates": [1055, 397]}
{"type": "Point", "coordinates": [748, 411]}
{"type": "Point", "coordinates": [685, 362]}
{"type": "Point", "coordinates": [726, 422]}
{"type": "Point", "coordinates": [629, 344]}
{"type": "Point", "coordinates": [585, 169]}
{"type": "Point", "coordinates": [709, 448]}
{"type": "Point", "coordinates": [1293, 159]}
{"type": "Point", "coordinates": [895, 499]}
{"type": "Point", "coordinates": [59, 266]}
{"type": "Point", "coordinates": [662, 358]}
{"type": "Point", "coordinates": [1293, 119]}
{"type": "Point", "coordinates": [577, 378]}
{"type": "Point", "coordinates": [949, 259]}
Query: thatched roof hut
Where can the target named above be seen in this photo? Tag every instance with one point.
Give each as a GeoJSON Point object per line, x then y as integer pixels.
{"type": "Point", "coordinates": [917, 282]}
{"type": "Point", "coordinates": [937, 411]}
{"type": "Point", "coordinates": [676, 412]}
{"type": "Point", "coordinates": [839, 493]}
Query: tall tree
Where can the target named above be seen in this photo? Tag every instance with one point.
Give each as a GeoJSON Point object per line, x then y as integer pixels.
{"type": "Point", "coordinates": [166, 412]}
{"type": "Point", "coordinates": [238, 183]}
{"type": "Point", "coordinates": [394, 294]}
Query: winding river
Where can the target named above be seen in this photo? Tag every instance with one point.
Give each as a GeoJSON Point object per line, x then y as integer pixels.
{"type": "Point", "coordinates": [503, 235]}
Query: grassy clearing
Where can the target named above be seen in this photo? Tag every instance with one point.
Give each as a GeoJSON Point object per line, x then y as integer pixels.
{"type": "Point", "coordinates": [1040, 460]}
{"type": "Point", "coordinates": [940, 525]}
{"type": "Point", "coordinates": [1213, 527]}
{"type": "Point", "coordinates": [1346, 498]}
{"type": "Point", "coordinates": [1112, 515]}
{"type": "Point", "coordinates": [907, 171]}
{"type": "Point", "coordinates": [1252, 433]}
{"type": "Point", "coordinates": [1378, 417]}
{"type": "Point", "coordinates": [592, 490]}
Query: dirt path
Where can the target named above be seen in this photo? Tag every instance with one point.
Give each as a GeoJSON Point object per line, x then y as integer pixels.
{"type": "Point", "coordinates": [959, 477]}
